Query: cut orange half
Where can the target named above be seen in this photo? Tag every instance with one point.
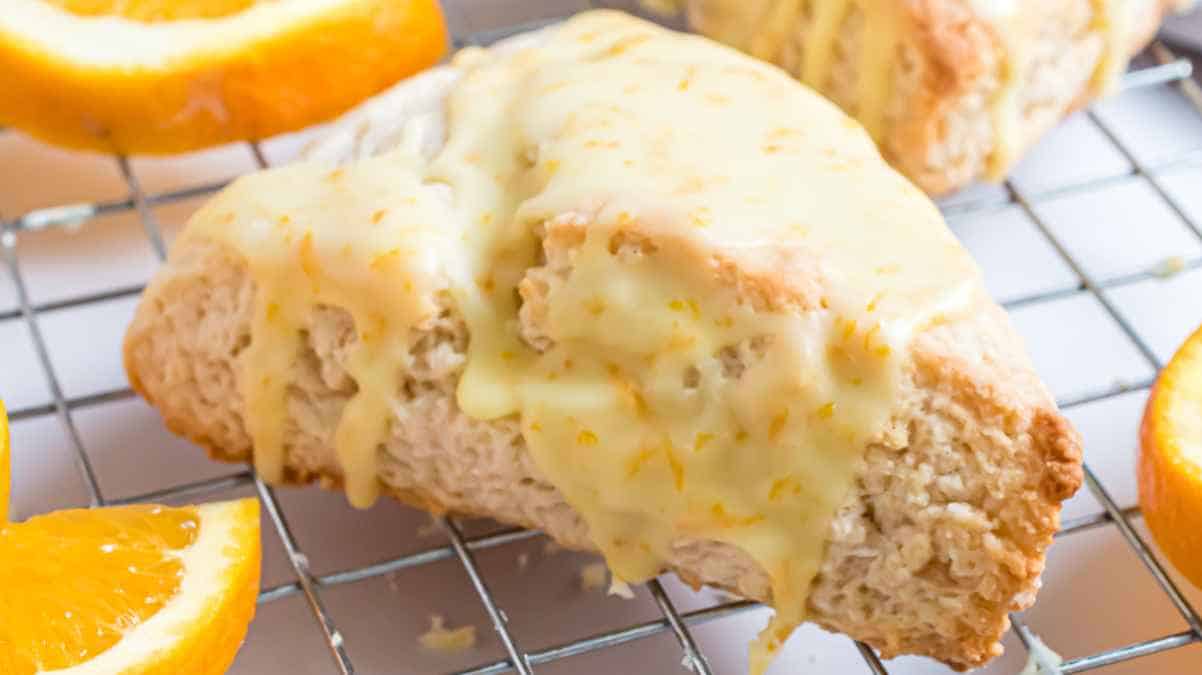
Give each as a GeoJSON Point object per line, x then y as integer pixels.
{"type": "Point", "coordinates": [4, 462]}
{"type": "Point", "coordinates": [161, 76]}
{"type": "Point", "coordinates": [1170, 461]}
{"type": "Point", "coordinates": [133, 590]}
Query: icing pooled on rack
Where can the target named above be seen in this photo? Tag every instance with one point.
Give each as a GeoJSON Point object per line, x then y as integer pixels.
{"type": "Point", "coordinates": [691, 279]}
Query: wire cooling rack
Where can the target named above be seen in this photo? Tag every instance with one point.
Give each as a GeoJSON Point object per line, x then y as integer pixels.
{"type": "Point", "coordinates": [1166, 70]}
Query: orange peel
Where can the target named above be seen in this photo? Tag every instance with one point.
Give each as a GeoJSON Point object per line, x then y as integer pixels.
{"type": "Point", "coordinates": [164, 76]}
{"type": "Point", "coordinates": [1170, 460]}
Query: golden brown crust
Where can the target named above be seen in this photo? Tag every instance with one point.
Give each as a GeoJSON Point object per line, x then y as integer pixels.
{"type": "Point", "coordinates": [957, 49]}
{"type": "Point", "coordinates": [997, 388]}
{"type": "Point", "coordinates": [1060, 446]}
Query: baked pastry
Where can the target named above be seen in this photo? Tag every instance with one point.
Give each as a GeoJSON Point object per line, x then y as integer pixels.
{"type": "Point", "coordinates": [601, 281]}
{"type": "Point", "coordinates": [952, 90]}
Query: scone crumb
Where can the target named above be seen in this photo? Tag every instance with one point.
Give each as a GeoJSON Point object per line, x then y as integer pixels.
{"type": "Point", "coordinates": [621, 589]}
{"type": "Point", "coordinates": [523, 561]}
{"type": "Point", "coordinates": [1169, 267]}
{"type": "Point", "coordinates": [442, 639]}
{"type": "Point", "coordinates": [430, 529]}
{"type": "Point", "coordinates": [593, 575]}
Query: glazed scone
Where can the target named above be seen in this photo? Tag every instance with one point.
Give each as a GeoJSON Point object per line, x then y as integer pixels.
{"type": "Point", "coordinates": [952, 90]}
{"type": "Point", "coordinates": [598, 281]}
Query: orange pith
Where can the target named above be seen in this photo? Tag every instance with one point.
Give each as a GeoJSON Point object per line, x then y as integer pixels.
{"type": "Point", "coordinates": [1170, 463]}
{"type": "Point", "coordinates": [87, 578]}
{"type": "Point", "coordinates": [150, 11]}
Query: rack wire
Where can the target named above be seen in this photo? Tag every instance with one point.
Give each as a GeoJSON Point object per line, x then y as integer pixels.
{"type": "Point", "coordinates": [1168, 71]}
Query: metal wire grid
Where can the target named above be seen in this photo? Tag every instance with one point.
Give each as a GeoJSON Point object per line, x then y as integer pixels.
{"type": "Point", "coordinates": [1170, 72]}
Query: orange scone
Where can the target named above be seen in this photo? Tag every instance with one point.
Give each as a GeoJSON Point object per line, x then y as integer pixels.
{"type": "Point", "coordinates": [161, 76]}
{"type": "Point", "coordinates": [648, 295]}
{"type": "Point", "coordinates": [952, 90]}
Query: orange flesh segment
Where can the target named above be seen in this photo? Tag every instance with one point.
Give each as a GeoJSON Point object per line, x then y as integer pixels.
{"type": "Point", "coordinates": [87, 577]}
{"type": "Point", "coordinates": [152, 11]}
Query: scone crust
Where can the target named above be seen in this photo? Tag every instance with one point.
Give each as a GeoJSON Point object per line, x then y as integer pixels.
{"type": "Point", "coordinates": [963, 54]}
{"type": "Point", "coordinates": [957, 51]}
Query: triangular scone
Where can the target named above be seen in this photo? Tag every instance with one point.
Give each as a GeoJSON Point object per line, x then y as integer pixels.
{"type": "Point", "coordinates": [650, 296]}
{"type": "Point", "coordinates": [953, 90]}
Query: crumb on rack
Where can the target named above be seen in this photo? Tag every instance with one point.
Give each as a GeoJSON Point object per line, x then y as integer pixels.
{"type": "Point", "coordinates": [442, 639]}
{"type": "Point", "coordinates": [523, 561]}
{"type": "Point", "coordinates": [592, 576]}
{"type": "Point", "coordinates": [621, 589]}
{"type": "Point", "coordinates": [429, 529]}
{"type": "Point", "coordinates": [1169, 267]}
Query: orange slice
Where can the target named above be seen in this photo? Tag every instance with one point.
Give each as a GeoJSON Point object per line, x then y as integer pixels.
{"type": "Point", "coordinates": [1170, 461]}
{"type": "Point", "coordinates": [145, 590]}
{"type": "Point", "coordinates": [4, 470]}
{"type": "Point", "coordinates": [160, 76]}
